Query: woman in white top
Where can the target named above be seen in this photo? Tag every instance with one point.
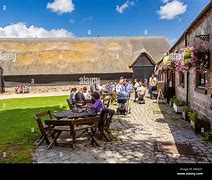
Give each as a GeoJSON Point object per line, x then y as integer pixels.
{"type": "Point", "coordinates": [85, 93]}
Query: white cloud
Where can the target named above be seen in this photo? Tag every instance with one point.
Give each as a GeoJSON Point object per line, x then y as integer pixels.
{"type": "Point", "coordinates": [61, 6]}
{"type": "Point", "coordinates": [89, 32]}
{"type": "Point", "coordinates": [165, 1]}
{"type": "Point", "coordinates": [123, 7]}
{"type": "Point", "coordinates": [20, 30]}
{"type": "Point", "coordinates": [172, 9]}
{"type": "Point", "coordinates": [4, 7]}
{"type": "Point", "coordinates": [145, 31]}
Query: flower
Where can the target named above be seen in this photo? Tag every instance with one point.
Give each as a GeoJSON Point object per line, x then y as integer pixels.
{"type": "Point", "coordinates": [200, 48]}
{"type": "Point", "coordinates": [179, 63]}
{"type": "Point", "coordinates": [188, 56]}
{"type": "Point", "coordinates": [201, 57]}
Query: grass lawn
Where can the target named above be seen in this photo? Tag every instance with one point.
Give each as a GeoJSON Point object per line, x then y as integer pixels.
{"type": "Point", "coordinates": [16, 121]}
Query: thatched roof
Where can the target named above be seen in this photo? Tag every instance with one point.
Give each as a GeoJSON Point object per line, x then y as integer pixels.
{"type": "Point", "coordinates": [137, 56]}
{"type": "Point", "coordinates": [79, 55]}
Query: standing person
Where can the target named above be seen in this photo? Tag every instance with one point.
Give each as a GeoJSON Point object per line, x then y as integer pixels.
{"type": "Point", "coordinates": [93, 87]}
{"type": "Point", "coordinates": [2, 89]}
{"type": "Point", "coordinates": [119, 86]}
{"type": "Point", "coordinates": [150, 84]}
{"type": "Point", "coordinates": [135, 86]}
{"type": "Point", "coordinates": [128, 87]}
{"type": "Point", "coordinates": [154, 83]}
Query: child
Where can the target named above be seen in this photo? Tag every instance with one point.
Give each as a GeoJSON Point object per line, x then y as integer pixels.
{"type": "Point", "coordinates": [141, 90]}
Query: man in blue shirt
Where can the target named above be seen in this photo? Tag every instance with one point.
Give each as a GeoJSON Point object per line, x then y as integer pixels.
{"type": "Point", "coordinates": [127, 87]}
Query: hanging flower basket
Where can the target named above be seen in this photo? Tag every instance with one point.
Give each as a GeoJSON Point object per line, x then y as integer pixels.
{"type": "Point", "coordinates": [201, 60]}
{"type": "Point", "coordinates": [187, 57]}
{"type": "Point", "coordinates": [179, 62]}
{"type": "Point", "coordinates": [168, 62]}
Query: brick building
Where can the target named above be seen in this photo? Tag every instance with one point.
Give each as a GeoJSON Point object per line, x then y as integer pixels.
{"type": "Point", "coordinates": [194, 86]}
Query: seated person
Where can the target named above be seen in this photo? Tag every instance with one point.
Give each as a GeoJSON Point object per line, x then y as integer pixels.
{"type": "Point", "coordinates": [20, 89]}
{"type": "Point", "coordinates": [141, 90]}
{"type": "Point", "coordinates": [79, 96]}
{"type": "Point", "coordinates": [72, 93]}
{"type": "Point", "coordinates": [85, 93]}
{"type": "Point", "coordinates": [26, 89]}
{"type": "Point", "coordinates": [97, 104]}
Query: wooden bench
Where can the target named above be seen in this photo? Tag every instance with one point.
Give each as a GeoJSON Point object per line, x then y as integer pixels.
{"type": "Point", "coordinates": [88, 124]}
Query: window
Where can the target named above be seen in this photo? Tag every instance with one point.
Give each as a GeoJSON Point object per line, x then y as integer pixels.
{"type": "Point", "coordinates": [201, 80]}
{"type": "Point", "coordinates": [182, 79]}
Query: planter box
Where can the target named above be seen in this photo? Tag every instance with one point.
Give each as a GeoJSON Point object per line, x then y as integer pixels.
{"type": "Point", "coordinates": [178, 109]}
{"type": "Point", "coordinates": [195, 126]}
{"type": "Point", "coordinates": [185, 116]}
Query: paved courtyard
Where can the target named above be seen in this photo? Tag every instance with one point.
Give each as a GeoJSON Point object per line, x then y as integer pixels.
{"type": "Point", "coordinates": [152, 133]}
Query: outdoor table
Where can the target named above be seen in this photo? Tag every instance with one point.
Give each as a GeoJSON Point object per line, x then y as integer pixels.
{"type": "Point", "coordinates": [71, 114]}
{"type": "Point", "coordinates": [76, 118]}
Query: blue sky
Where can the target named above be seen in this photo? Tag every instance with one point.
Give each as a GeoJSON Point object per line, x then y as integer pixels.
{"type": "Point", "coordinates": [47, 18]}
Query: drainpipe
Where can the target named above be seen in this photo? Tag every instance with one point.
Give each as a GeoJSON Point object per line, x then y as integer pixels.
{"type": "Point", "coordinates": [187, 74]}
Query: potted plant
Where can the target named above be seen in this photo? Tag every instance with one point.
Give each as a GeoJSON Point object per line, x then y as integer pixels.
{"type": "Point", "coordinates": [178, 105]}
{"type": "Point", "coordinates": [185, 112]}
{"type": "Point", "coordinates": [194, 120]}
{"type": "Point", "coordinates": [204, 125]}
{"type": "Point", "coordinates": [172, 101]}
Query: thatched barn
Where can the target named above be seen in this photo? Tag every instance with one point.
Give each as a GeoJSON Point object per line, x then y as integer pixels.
{"type": "Point", "coordinates": [68, 59]}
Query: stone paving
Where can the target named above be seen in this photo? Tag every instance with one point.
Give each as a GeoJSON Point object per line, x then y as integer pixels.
{"type": "Point", "coordinates": [152, 133]}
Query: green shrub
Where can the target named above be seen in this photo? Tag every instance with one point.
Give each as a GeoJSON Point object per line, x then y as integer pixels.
{"type": "Point", "coordinates": [193, 116]}
{"type": "Point", "coordinates": [172, 99]}
{"type": "Point", "coordinates": [179, 102]}
{"type": "Point", "coordinates": [186, 110]}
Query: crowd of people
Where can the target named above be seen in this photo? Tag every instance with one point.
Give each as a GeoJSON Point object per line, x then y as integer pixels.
{"type": "Point", "coordinates": [118, 91]}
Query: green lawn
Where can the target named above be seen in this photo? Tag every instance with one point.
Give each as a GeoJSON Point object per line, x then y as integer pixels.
{"type": "Point", "coordinates": [16, 121]}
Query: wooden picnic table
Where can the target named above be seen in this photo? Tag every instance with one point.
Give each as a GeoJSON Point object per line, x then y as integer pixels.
{"type": "Point", "coordinates": [71, 114]}
{"type": "Point", "coordinates": [79, 118]}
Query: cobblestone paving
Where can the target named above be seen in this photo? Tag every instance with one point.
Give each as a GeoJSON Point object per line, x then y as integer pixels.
{"type": "Point", "coordinates": [152, 133]}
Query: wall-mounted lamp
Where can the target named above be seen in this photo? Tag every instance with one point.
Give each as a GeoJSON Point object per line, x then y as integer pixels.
{"type": "Point", "coordinates": [203, 36]}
